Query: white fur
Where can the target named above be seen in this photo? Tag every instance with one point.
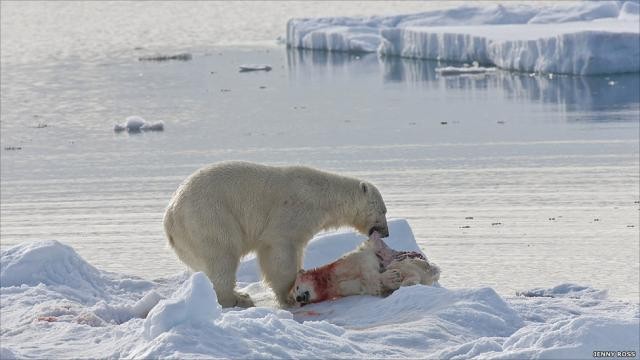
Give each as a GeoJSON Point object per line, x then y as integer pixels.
{"type": "Point", "coordinates": [226, 210]}
{"type": "Point", "coordinates": [361, 272]}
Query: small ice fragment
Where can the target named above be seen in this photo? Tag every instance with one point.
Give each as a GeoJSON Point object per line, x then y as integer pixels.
{"type": "Point", "coordinates": [156, 126]}
{"type": "Point", "coordinates": [254, 67]}
{"type": "Point", "coordinates": [551, 76]}
{"type": "Point", "coordinates": [134, 123]}
{"type": "Point", "coordinates": [612, 83]}
{"type": "Point", "coordinates": [179, 57]}
{"type": "Point", "coordinates": [465, 70]}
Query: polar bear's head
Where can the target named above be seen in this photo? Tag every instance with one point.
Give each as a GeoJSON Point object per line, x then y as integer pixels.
{"type": "Point", "coordinates": [304, 289]}
{"type": "Point", "coordinates": [372, 211]}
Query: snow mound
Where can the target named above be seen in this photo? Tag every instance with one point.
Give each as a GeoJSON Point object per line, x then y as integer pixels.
{"type": "Point", "coordinates": [575, 38]}
{"type": "Point", "coordinates": [194, 302]}
{"type": "Point", "coordinates": [136, 124]}
{"type": "Point", "coordinates": [328, 247]}
{"type": "Point", "coordinates": [571, 291]}
{"type": "Point", "coordinates": [573, 338]}
{"type": "Point", "coordinates": [48, 263]}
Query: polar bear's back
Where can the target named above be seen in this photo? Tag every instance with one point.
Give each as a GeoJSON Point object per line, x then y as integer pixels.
{"type": "Point", "coordinates": [248, 201]}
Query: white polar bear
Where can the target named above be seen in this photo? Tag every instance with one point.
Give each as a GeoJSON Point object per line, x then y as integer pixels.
{"type": "Point", "coordinates": [224, 211]}
{"type": "Point", "coordinates": [371, 269]}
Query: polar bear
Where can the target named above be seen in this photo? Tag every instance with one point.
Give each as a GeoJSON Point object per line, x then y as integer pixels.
{"type": "Point", "coordinates": [227, 210]}
{"type": "Point", "coordinates": [371, 269]}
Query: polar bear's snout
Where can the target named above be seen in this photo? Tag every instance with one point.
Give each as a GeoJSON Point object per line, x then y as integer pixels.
{"type": "Point", "coordinates": [304, 298]}
{"type": "Point", "coordinates": [383, 230]}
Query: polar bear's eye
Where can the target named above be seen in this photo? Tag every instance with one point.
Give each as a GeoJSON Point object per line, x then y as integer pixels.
{"type": "Point", "coordinates": [297, 288]}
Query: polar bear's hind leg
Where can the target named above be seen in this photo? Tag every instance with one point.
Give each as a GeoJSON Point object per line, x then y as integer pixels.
{"type": "Point", "coordinates": [222, 273]}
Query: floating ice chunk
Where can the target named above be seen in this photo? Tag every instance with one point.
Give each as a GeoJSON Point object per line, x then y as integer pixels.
{"type": "Point", "coordinates": [254, 67]}
{"type": "Point", "coordinates": [179, 57]}
{"type": "Point", "coordinates": [135, 124]}
{"type": "Point", "coordinates": [454, 70]}
{"type": "Point", "coordinates": [194, 302]}
{"type": "Point", "coordinates": [156, 126]}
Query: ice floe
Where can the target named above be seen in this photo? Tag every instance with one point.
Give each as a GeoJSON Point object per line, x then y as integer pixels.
{"type": "Point", "coordinates": [583, 38]}
{"type": "Point", "coordinates": [136, 124]}
{"type": "Point", "coordinates": [179, 57]}
{"type": "Point", "coordinates": [254, 67]}
{"type": "Point", "coordinates": [462, 70]}
{"type": "Point", "coordinates": [55, 304]}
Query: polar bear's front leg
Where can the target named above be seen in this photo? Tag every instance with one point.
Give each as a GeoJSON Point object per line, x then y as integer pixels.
{"type": "Point", "coordinates": [280, 265]}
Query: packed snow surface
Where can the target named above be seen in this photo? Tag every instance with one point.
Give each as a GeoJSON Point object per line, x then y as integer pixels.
{"type": "Point", "coordinates": [573, 37]}
{"type": "Point", "coordinates": [55, 304]}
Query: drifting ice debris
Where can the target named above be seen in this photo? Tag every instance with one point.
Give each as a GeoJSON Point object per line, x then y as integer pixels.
{"type": "Point", "coordinates": [135, 124]}
{"type": "Point", "coordinates": [464, 70]}
{"type": "Point", "coordinates": [254, 67]}
{"type": "Point", "coordinates": [179, 57]}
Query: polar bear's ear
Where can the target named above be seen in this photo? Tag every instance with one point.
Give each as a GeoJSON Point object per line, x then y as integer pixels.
{"type": "Point", "coordinates": [364, 187]}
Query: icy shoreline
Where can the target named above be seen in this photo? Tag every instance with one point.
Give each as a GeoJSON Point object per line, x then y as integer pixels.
{"type": "Point", "coordinates": [584, 38]}
{"type": "Point", "coordinates": [54, 304]}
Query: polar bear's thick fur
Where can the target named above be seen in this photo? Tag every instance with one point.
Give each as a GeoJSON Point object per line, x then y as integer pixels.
{"type": "Point", "coordinates": [371, 269]}
{"type": "Point", "coordinates": [224, 211]}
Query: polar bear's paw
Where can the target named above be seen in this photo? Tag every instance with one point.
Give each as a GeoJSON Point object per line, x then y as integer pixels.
{"type": "Point", "coordinates": [391, 279]}
{"type": "Point", "coordinates": [243, 300]}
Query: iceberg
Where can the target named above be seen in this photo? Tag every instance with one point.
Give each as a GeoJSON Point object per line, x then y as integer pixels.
{"type": "Point", "coordinates": [583, 38]}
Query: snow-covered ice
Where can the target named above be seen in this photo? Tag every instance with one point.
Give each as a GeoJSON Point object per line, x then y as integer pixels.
{"type": "Point", "coordinates": [575, 37]}
{"type": "Point", "coordinates": [55, 304]}
{"type": "Point", "coordinates": [136, 124]}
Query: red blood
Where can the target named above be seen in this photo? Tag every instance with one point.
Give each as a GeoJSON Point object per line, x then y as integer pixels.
{"type": "Point", "coordinates": [47, 318]}
{"type": "Point", "coordinates": [322, 278]}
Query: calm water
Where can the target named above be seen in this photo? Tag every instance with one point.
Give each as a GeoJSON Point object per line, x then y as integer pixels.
{"type": "Point", "coordinates": [547, 168]}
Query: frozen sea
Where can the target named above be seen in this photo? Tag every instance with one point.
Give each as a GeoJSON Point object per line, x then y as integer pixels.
{"type": "Point", "coordinates": [508, 180]}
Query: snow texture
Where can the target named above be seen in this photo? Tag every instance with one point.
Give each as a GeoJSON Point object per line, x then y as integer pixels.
{"type": "Point", "coordinates": [583, 38]}
{"type": "Point", "coordinates": [136, 124]}
{"type": "Point", "coordinates": [54, 304]}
